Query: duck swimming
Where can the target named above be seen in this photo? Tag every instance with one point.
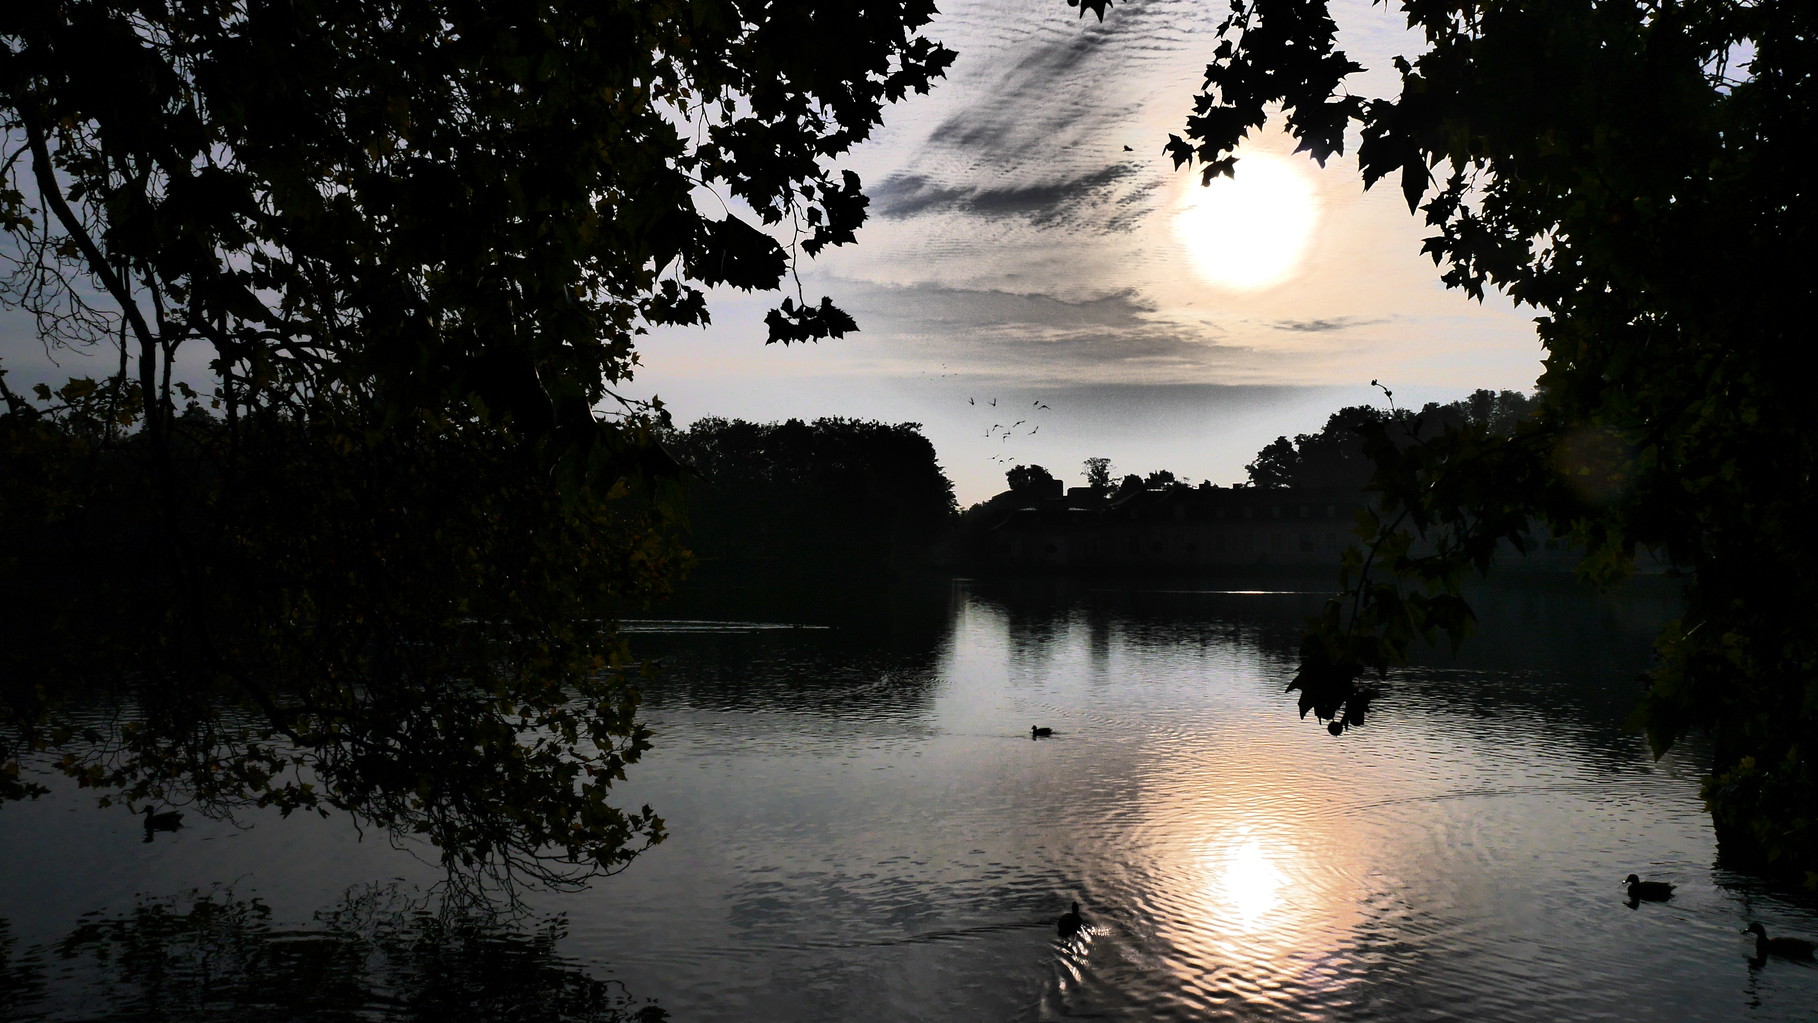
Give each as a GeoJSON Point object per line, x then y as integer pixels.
{"type": "Point", "coordinates": [1785, 948]}
{"type": "Point", "coordinates": [168, 821]}
{"type": "Point", "coordinates": [1038, 732]}
{"type": "Point", "coordinates": [1070, 922]}
{"type": "Point", "coordinates": [1648, 891]}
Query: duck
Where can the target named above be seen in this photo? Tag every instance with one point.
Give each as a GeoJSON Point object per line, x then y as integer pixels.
{"type": "Point", "coordinates": [1785, 948]}
{"type": "Point", "coordinates": [167, 821]}
{"type": "Point", "coordinates": [1070, 922]}
{"type": "Point", "coordinates": [1650, 891]}
{"type": "Point", "coordinates": [1038, 732]}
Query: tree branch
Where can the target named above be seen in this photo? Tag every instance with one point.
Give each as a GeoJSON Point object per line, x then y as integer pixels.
{"type": "Point", "coordinates": [45, 176]}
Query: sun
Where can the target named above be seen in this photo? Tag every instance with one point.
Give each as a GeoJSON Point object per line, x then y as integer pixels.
{"type": "Point", "coordinates": [1249, 232]}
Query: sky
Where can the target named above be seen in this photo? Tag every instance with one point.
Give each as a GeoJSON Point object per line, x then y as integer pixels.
{"type": "Point", "coordinates": [1038, 285]}
{"type": "Point", "coordinates": [1019, 253]}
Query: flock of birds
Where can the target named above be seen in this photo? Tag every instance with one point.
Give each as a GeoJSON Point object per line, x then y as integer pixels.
{"type": "Point", "coordinates": [1004, 431]}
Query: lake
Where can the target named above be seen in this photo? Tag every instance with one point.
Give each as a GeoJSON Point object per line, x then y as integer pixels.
{"type": "Point", "coordinates": [862, 828]}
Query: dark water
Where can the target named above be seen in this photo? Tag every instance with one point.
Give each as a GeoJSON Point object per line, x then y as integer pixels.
{"type": "Point", "coordinates": [862, 828]}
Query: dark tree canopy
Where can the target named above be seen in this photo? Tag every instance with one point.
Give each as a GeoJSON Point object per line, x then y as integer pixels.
{"type": "Point", "coordinates": [1625, 168]}
{"type": "Point", "coordinates": [462, 206]}
{"type": "Point", "coordinates": [1099, 474]}
{"type": "Point", "coordinates": [834, 496]}
{"type": "Point", "coordinates": [361, 564]}
{"type": "Point", "coordinates": [1334, 457]}
{"type": "Point", "coordinates": [1024, 478]}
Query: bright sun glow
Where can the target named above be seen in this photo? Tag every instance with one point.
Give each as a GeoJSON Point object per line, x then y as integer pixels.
{"type": "Point", "coordinates": [1251, 881]}
{"type": "Point", "coordinates": [1249, 232]}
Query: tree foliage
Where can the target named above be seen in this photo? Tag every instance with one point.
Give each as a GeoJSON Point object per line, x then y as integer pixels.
{"type": "Point", "coordinates": [506, 195]}
{"type": "Point", "coordinates": [1027, 478]}
{"type": "Point", "coordinates": [1623, 168]}
{"type": "Point", "coordinates": [404, 251]}
{"type": "Point", "coordinates": [1334, 457]}
{"type": "Point", "coordinates": [834, 496]}
{"type": "Point", "coordinates": [1099, 474]}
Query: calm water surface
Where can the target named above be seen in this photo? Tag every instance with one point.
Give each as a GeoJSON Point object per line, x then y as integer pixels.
{"type": "Point", "coordinates": [862, 828]}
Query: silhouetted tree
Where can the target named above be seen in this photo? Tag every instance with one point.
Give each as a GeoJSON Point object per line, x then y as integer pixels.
{"type": "Point", "coordinates": [1587, 159]}
{"type": "Point", "coordinates": [1333, 457]}
{"type": "Point", "coordinates": [831, 495]}
{"type": "Point", "coordinates": [1276, 465]}
{"type": "Point", "coordinates": [1027, 477]}
{"type": "Point", "coordinates": [415, 249]}
{"type": "Point", "coordinates": [1098, 474]}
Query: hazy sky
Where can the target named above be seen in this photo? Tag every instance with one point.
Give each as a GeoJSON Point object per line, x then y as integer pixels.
{"type": "Point", "coordinates": [1018, 252]}
{"type": "Point", "coordinates": [1030, 244]}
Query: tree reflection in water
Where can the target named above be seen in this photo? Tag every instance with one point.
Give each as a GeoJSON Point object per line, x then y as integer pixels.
{"type": "Point", "coordinates": [21, 976]}
{"type": "Point", "coordinates": [383, 952]}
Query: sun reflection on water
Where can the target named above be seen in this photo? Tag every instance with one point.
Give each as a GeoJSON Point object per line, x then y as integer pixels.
{"type": "Point", "coordinates": [1250, 882]}
{"type": "Point", "coordinates": [1246, 896]}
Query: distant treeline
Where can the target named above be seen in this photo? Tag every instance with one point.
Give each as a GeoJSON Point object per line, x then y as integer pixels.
{"type": "Point", "coordinates": [1333, 457]}
{"type": "Point", "coordinates": [847, 496]}
{"type": "Point", "coordinates": [834, 496]}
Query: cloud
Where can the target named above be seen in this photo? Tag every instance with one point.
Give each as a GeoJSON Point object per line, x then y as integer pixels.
{"type": "Point", "coordinates": [1105, 200]}
{"type": "Point", "coordinates": [938, 307]}
{"type": "Point", "coordinates": [1324, 326]}
{"type": "Point", "coordinates": [1119, 337]}
{"type": "Point", "coordinates": [1044, 125]}
{"type": "Point", "coordinates": [906, 195]}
